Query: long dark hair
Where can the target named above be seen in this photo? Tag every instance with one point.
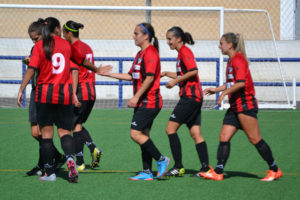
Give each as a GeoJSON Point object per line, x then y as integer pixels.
{"type": "Point", "coordinates": [50, 23]}
{"type": "Point", "coordinates": [73, 27]}
{"type": "Point", "coordinates": [147, 28]}
{"type": "Point", "coordinates": [186, 37]}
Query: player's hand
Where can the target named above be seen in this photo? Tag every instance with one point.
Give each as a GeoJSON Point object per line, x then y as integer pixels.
{"type": "Point", "coordinates": [209, 91]}
{"type": "Point", "coordinates": [132, 103]}
{"type": "Point", "coordinates": [77, 103]}
{"type": "Point", "coordinates": [104, 70]}
{"type": "Point", "coordinates": [171, 84]}
{"type": "Point", "coordinates": [220, 99]}
{"type": "Point", "coordinates": [26, 60]}
{"type": "Point", "coordinates": [163, 74]}
{"type": "Point", "coordinates": [20, 98]}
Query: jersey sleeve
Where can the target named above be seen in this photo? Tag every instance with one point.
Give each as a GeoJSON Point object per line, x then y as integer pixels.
{"type": "Point", "coordinates": [35, 59]}
{"type": "Point", "coordinates": [188, 59]}
{"type": "Point", "coordinates": [240, 67]}
{"type": "Point", "coordinates": [73, 66]}
{"type": "Point", "coordinates": [77, 56]}
{"type": "Point", "coordinates": [151, 62]}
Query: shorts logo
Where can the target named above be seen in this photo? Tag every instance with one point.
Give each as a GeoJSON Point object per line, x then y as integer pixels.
{"type": "Point", "coordinates": [134, 123]}
{"type": "Point", "coordinates": [173, 116]}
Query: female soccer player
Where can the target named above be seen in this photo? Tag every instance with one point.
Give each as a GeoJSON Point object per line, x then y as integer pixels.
{"type": "Point", "coordinates": [242, 113]}
{"type": "Point", "coordinates": [147, 101]}
{"type": "Point", "coordinates": [51, 57]}
{"type": "Point", "coordinates": [188, 109]}
{"type": "Point", "coordinates": [86, 96]}
{"type": "Point", "coordinates": [35, 34]}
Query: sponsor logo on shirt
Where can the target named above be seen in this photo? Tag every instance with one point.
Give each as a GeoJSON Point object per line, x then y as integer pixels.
{"type": "Point", "coordinates": [136, 75]}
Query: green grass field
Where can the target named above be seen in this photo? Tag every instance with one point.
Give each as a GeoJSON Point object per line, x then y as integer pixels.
{"type": "Point", "coordinates": [121, 159]}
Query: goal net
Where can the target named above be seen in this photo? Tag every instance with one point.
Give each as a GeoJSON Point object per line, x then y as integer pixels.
{"type": "Point", "coordinates": [109, 30]}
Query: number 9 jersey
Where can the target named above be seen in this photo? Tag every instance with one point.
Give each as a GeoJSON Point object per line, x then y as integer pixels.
{"type": "Point", "coordinates": [53, 85]}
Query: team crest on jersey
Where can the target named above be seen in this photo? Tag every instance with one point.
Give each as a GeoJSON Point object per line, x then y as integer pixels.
{"type": "Point", "coordinates": [230, 69]}
{"type": "Point", "coordinates": [178, 62]}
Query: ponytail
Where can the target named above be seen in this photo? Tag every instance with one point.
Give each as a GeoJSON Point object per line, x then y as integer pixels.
{"type": "Point", "coordinates": [48, 29]}
{"type": "Point", "coordinates": [237, 41]}
{"type": "Point", "coordinates": [73, 27]}
{"type": "Point", "coordinates": [186, 37]}
{"type": "Point", "coordinates": [147, 28]}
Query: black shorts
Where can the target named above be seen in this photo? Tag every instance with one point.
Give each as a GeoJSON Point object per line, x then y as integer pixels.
{"type": "Point", "coordinates": [58, 114]}
{"type": "Point", "coordinates": [32, 108]}
{"type": "Point", "coordinates": [81, 114]}
{"type": "Point", "coordinates": [143, 118]}
{"type": "Point", "coordinates": [187, 111]}
{"type": "Point", "coordinates": [231, 118]}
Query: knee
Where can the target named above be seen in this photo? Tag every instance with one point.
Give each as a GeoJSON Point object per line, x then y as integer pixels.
{"type": "Point", "coordinates": [224, 138]}
{"type": "Point", "coordinates": [253, 140]}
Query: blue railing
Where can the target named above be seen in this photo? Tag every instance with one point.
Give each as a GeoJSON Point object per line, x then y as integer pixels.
{"type": "Point", "coordinates": [121, 83]}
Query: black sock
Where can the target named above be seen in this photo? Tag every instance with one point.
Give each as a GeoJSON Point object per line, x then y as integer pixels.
{"type": "Point", "coordinates": [203, 155]}
{"type": "Point", "coordinates": [88, 140]}
{"type": "Point", "coordinates": [146, 159]}
{"type": "Point", "coordinates": [79, 144]}
{"type": "Point", "coordinates": [152, 150]}
{"type": "Point", "coordinates": [48, 154]}
{"type": "Point", "coordinates": [67, 146]}
{"type": "Point", "coordinates": [57, 155]}
{"type": "Point", "coordinates": [223, 154]}
{"type": "Point", "coordinates": [40, 163]}
{"type": "Point", "coordinates": [176, 150]}
{"type": "Point", "coordinates": [266, 153]}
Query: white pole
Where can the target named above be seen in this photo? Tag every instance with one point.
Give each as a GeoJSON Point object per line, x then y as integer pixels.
{"type": "Point", "coordinates": [294, 93]}
{"type": "Point", "coordinates": [221, 81]}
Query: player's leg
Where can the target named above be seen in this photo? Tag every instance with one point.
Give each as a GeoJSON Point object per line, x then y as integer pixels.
{"type": "Point", "coordinates": [64, 116]}
{"type": "Point", "coordinates": [201, 148]}
{"type": "Point", "coordinates": [229, 128]}
{"type": "Point", "coordinates": [175, 145]}
{"type": "Point", "coordinates": [79, 145]}
{"type": "Point", "coordinates": [143, 119]}
{"type": "Point", "coordinates": [250, 126]}
{"type": "Point", "coordinates": [45, 119]}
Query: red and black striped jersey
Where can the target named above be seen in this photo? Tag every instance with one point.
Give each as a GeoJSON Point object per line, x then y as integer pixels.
{"type": "Point", "coordinates": [190, 88]}
{"type": "Point", "coordinates": [86, 82]}
{"type": "Point", "coordinates": [237, 70]}
{"type": "Point", "coordinates": [53, 83]}
{"type": "Point", "coordinates": [147, 63]}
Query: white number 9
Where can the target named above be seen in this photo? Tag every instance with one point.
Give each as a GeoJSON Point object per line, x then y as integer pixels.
{"type": "Point", "coordinates": [58, 62]}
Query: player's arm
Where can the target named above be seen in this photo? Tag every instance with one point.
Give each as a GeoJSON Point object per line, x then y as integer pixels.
{"type": "Point", "coordinates": [27, 77]}
{"type": "Point", "coordinates": [233, 89]}
{"type": "Point", "coordinates": [122, 76]}
{"type": "Point", "coordinates": [185, 77]}
{"type": "Point", "coordinates": [172, 75]}
{"type": "Point", "coordinates": [144, 87]}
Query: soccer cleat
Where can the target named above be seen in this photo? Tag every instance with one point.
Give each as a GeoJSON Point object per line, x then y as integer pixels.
{"type": "Point", "coordinates": [80, 168]}
{"type": "Point", "coordinates": [271, 175]}
{"type": "Point", "coordinates": [212, 175]}
{"type": "Point", "coordinates": [73, 174]}
{"type": "Point", "coordinates": [142, 176]}
{"type": "Point", "coordinates": [52, 177]}
{"type": "Point", "coordinates": [58, 163]}
{"type": "Point", "coordinates": [175, 172]}
{"type": "Point", "coordinates": [96, 155]}
{"type": "Point", "coordinates": [35, 171]}
{"type": "Point", "coordinates": [201, 170]}
{"type": "Point", "coordinates": [162, 166]}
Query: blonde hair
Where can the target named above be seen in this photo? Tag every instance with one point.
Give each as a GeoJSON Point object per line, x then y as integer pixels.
{"type": "Point", "coordinates": [237, 41]}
